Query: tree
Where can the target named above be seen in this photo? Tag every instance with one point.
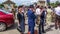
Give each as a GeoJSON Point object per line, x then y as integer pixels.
{"type": "Point", "coordinates": [1, 5]}
{"type": "Point", "coordinates": [57, 2]}
{"type": "Point", "coordinates": [54, 4]}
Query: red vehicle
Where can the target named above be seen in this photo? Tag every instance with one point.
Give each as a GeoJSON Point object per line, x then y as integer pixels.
{"type": "Point", "coordinates": [6, 20]}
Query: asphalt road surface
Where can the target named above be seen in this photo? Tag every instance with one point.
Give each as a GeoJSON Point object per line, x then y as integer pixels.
{"type": "Point", "coordinates": [13, 30]}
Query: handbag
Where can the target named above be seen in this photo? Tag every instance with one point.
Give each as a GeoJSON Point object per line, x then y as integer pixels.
{"type": "Point", "coordinates": [19, 29]}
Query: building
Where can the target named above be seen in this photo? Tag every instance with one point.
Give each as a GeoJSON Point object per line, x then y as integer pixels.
{"type": "Point", "coordinates": [42, 3]}
{"type": "Point", "coordinates": [8, 5]}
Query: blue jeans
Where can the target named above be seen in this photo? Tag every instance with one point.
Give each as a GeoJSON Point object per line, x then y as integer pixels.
{"type": "Point", "coordinates": [31, 29]}
{"type": "Point", "coordinates": [41, 26]}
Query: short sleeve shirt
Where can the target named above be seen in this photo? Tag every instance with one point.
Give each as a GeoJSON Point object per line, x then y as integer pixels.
{"type": "Point", "coordinates": [38, 11]}
{"type": "Point", "coordinates": [57, 11]}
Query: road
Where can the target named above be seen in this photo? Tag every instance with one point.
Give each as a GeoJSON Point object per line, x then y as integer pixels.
{"type": "Point", "coordinates": [13, 30]}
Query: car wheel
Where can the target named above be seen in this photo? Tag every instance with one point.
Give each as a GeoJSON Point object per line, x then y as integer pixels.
{"type": "Point", "coordinates": [2, 26]}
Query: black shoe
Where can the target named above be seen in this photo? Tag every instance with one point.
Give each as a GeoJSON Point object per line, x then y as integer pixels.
{"type": "Point", "coordinates": [43, 32]}
{"type": "Point", "coordinates": [56, 28]}
{"type": "Point", "coordinates": [40, 33]}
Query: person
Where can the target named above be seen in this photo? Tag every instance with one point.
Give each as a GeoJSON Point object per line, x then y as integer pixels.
{"type": "Point", "coordinates": [13, 11]}
{"type": "Point", "coordinates": [45, 15]}
{"type": "Point", "coordinates": [38, 14]}
{"type": "Point", "coordinates": [38, 10]}
{"type": "Point", "coordinates": [53, 14]}
{"type": "Point", "coordinates": [21, 19]}
{"type": "Point", "coordinates": [41, 25]}
{"type": "Point", "coordinates": [57, 17]}
{"type": "Point", "coordinates": [49, 15]}
{"type": "Point", "coordinates": [31, 19]}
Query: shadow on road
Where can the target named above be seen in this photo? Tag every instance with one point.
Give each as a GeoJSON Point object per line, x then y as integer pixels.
{"type": "Point", "coordinates": [49, 28]}
{"type": "Point", "coordinates": [13, 27]}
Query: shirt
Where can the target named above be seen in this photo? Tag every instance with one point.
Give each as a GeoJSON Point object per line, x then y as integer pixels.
{"type": "Point", "coordinates": [20, 17]}
{"type": "Point", "coordinates": [38, 11]}
{"type": "Point", "coordinates": [57, 11]}
{"type": "Point", "coordinates": [43, 14]}
{"type": "Point", "coordinates": [31, 18]}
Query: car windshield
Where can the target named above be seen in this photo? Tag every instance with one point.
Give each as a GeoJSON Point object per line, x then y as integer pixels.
{"type": "Point", "coordinates": [4, 11]}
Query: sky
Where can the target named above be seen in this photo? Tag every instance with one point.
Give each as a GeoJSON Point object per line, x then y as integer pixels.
{"type": "Point", "coordinates": [54, 0]}
{"type": "Point", "coordinates": [20, 2]}
{"type": "Point", "coordinates": [25, 2]}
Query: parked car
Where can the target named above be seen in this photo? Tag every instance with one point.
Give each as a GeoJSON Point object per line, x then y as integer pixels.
{"type": "Point", "coordinates": [6, 20]}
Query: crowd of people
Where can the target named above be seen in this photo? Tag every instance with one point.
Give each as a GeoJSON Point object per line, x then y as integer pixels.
{"type": "Point", "coordinates": [38, 15]}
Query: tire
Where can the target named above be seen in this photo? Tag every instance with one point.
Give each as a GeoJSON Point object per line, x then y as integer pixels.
{"type": "Point", "coordinates": [2, 26]}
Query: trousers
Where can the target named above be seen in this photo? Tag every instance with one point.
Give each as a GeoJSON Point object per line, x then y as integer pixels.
{"type": "Point", "coordinates": [31, 29]}
{"type": "Point", "coordinates": [41, 26]}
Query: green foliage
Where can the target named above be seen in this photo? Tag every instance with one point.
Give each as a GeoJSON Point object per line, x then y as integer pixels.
{"type": "Point", "coordinates": [1, 5]}
{"type": "Point", "coordinates": [48, 3]}
{"type": "Point", "coordinates": [54, 4]}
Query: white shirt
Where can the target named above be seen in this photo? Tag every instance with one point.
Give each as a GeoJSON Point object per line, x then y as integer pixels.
{"type": "Point", "coordinates": [38, 11]}
{"type": "Point", "coordinates": [57, 11]}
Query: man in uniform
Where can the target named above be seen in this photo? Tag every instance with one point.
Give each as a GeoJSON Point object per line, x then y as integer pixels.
{"type": "Point", "coordinates": [31, 19]}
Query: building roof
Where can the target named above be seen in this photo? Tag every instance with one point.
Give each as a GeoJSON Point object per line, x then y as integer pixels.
{"type": "Point", "coordinates": [42, 0]}
{"type": "Point", "coordinates": [8, 2]}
